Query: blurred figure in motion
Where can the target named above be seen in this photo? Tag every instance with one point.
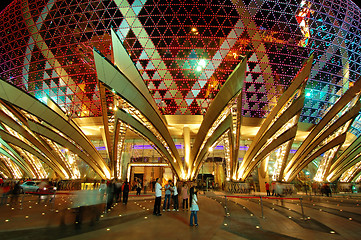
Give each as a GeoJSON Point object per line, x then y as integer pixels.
{"type": "Point", "coordinates": [87, 201]}
{"type": "Point", "coordinates": [145, 186]}
{"type": "Point", "coordinates": [4, 192]}
{"type": "Point", "coordinates": [273, 187]}
{"type": "Point", "coordinates": [278, 189]}
{"type": "Point", "coordinates": [46, 191]}
{"type": "Point", "coordinates": [110, 193]}
{"type": "Point", "coordinates": [15, 194]}
{"type": "Point", "coordinates": [267, 189]}
{"type": "Point", "coordinates": [118, 191]}
{"type": "Point", "coordinates": [102, 189]}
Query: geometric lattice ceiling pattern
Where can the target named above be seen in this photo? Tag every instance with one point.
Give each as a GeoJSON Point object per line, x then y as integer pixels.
{"type": "Point", "coordinates": [184, 50]}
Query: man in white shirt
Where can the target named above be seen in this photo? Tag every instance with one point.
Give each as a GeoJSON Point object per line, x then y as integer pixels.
{"type": "Point", "coordinates": [158, 198]}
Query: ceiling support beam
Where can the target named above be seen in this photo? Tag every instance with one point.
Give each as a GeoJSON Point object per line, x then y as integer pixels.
{"type": "Point", "coordinates": [221, 103]}
{"type": "Point", "coordinates": [288, 107]}
{"type": "Point", "coordinates": [53, 116]}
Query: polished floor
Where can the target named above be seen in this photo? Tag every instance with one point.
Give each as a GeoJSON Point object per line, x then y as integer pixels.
{"type": "Point", "coordinates": [236, 217]}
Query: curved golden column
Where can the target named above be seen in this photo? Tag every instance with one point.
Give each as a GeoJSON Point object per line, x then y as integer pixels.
{"type": "Point", "coordinates": [346, 160]}
{"type": "Point", "coordinates": [334, 175]}
{"type": "Point", "coordinates": [55, 137]}
{"type": "Point", "coordinates": [293, 170]}
{"type": "Point", "coordinates": [38, 143]}
{"type": "Point", "coordinates": [5, 170]}
{"type": "Point", "coordinates": [286, 109]}
{"type": "Point", "coordinates": [53, 116]}
{"type": "Point", "coordinates": [339, 140]}
{"type": "Point", "coordinates": [342, 163]}
{"type": "Point", "coordinates": [20, 162]}
{"type": "Point", "coordinates": [127, 118]}
{"type": "Point", "coordinates": [15, 141]}
{"type": "Point", "coordinates": [105, 121]}
{"type": "Point", "coordinates": [220, 130]}
{"type": "Point", "coordinates": [336, 108]}
{"type": "Point", "coordinates": [112, 77]}
{"type": "Point", "coordinates": [254, 155]}
{"type": "Point", "coordinates": [235, 139]}
{"type": "Point", "coordinates": [315, 138]}
{"type": "Point", "coordinates": [229, 91]}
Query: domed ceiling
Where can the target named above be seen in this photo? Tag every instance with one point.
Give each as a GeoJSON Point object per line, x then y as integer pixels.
{"type": "Point", "coordinates": [184, 50]}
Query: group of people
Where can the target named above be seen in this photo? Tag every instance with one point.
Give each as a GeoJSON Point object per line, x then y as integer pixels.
{"type": "Point", "coordinates": [278, 189]}
{"type": "Point", "coordinates": [9, 189]}
{"type": "Point", "coordinates": [171, 191]}
{"type": "Point", "coordinates": [114, 191]}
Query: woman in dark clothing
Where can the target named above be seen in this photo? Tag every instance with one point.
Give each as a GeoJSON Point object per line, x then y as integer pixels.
{"type": "Point", "coordinates": [110, 194]}
{"type": "Point", "coordinates": [139, 188]}
{"type": "Point", "coordinates": [15, 194]}
{"type": "Point", "coordinates": [125, 189]}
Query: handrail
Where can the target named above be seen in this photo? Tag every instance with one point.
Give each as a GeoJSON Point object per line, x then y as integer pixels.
{"type": "Point", "coordinates": [260, 197]}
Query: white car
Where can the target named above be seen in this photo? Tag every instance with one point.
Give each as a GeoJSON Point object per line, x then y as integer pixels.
{"type": "Point", "coordinates": [29, 186]}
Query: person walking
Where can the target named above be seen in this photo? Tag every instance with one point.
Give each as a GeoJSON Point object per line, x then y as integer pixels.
{"type": "Point", "coordinates": [185, 196]}
{"type": "Point", "coordinates": [5, 193]}
{"type": "Point", "coordinates": [125, 190]}
{"type": "Point", "coordinates": [145, 186]}
{"type": "Point", "coordinates": [267, 189]}
{"type": "Point", "coordinates": [168, 190]}
{"type": "Point", "coordinates": [193, 206]}
{"type": "Point", "coordinates": [175, 198]}
{"type": "Point", "coordinates": [118, 191]}
{"type": "Point", "coordinates": [273, 186]}
{"type": "Point", "coordinates": [158, 198]}
{"type": "Point", "coordinates": [110, 194]}
{"type": "Point", "coordinates": [102, 189]}
{"type": "Point", "coordinates": [139, 187]}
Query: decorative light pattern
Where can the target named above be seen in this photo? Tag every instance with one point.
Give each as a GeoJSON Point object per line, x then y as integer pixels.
{"type": "Point", "coordinates": [325, 161]}
{"type": "Point", "coordinates": [280, 153]}
{"type": "Point", "coordinates": [34, 162]}
{"type": "Point", "coordinates": [124, 105]}
{"type": "Point", "coordinates": [120, 148]}
{"type": "Point", "coordinates": [184, 50]}
{"type": "Point", "coordinates": [292, 122]}
{"type": "Point", "coordinates": [72, 162]}
{"type": "Point", "coordinates": [227, 154]}
{"type": "Point", "coordinates": [303, 19]}
{"type": "Point", "coordinates": [332, 136]}
{"type": "Point", "coordinates": [15, 170]}
{"type": "Point", "coordinates": [216, 123]}
{"type": "Point", "coordinates": [347, 176]}
{"type": "Point", "coordinates": [358, 179]}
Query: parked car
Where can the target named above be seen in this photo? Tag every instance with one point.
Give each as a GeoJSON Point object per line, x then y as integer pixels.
{"type": "Point", "coordinates": [37, 187]}
{"type": "Point", "coordinates": [29, 186]}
